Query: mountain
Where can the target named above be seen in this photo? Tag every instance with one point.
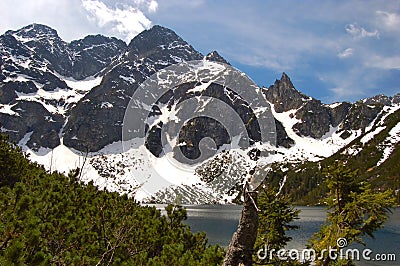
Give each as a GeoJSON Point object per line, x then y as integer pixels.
{"type": "Point", "coordinates": [65, 104]}
{"type": "Point", "coordinates": [35, 92]}
{"type": "Point", "coordinates": [375, 153]}
{"type": "Point", "coordinates": [88, 127]}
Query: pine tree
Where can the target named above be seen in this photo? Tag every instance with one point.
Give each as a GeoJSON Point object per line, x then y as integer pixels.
{"type": "Point", "coordinates": [13, 163]}
{"type": "Point", "coordinates": [354, 210]}
{"type": "Point", "coordinates": [51, 219]}
{"type": "Point", "coordinates": [276, 217]}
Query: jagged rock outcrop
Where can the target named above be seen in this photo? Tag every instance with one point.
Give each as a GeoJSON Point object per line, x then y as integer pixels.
{"type": "Point", "coordinates": [378, 99]}
{"type": "Point", "coordinates": [201, 127]}
{"type": "Point", "coordinates": [282, 139]}
{"type": "Point", "coordinates": [35, 58]}
{"type": "Point", "coordinates": [35, 61]}
{"type": "Point", "coordinates": [44, 128]}
{"type": "Point", "coordinates": [284, 96]}
{"type": "Point", "coordinates": [316, 118]}
{"type": "Point", "coordinates": [216, 57]}
{"type": "Point", "coordinates": [396, 98]}
{"type": "Point", "coordinates": [338, 113]}
{"type": "Point", "coordinates": [97, 119]}
{"type": "Point", "coordinates": [78, 59]}
{"type": "Point", "coordinates": [359, 116]}
{"type": "Point", "coordinates": [94, 53]}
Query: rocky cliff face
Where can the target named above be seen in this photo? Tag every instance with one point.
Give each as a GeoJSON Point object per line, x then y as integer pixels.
{"type": "Point", "coordinates": [316, 119]}
{"type": "Point", "coordinates": [78, 59]}
{"type": "Point", "coordinates": [97, 119]}
{"type": "Point", "coordinates": [202, 127]}
{"type": "Point", "coordinates": [35, 60]}
{"type": "Point", "coordinates": [53, 92]}
{"type": "Point", "coordinates": [34, 64]}
{"type": "Point", "coordinates": [216, 57]}
{"type": "Point", "coordinates": [93, 54]}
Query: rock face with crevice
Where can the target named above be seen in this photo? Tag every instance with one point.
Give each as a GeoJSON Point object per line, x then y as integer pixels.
{"type": "Point", "coordinates": [37, 68]}
{"type": "Point", "coordinates": [97, 119]}
{"type": "Point", "coordinates": [43, 129]}
{"type": "Point", "coordinates": [76, 93]}
{"type": "Point", "coordinates": [315, 118]}
{"type": "Point", "coordinates": [35, 62]}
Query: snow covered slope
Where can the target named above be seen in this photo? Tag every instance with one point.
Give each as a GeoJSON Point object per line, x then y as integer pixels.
{"type": "Point", "coordinates": [65, 103]}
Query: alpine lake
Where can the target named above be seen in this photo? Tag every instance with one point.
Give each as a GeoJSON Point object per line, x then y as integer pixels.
{"type": "Point", "coordinates": [221, 221]}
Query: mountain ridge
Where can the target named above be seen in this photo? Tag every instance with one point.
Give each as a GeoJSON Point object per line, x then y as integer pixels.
{"type": "Point", "coordinates": [71, 97]}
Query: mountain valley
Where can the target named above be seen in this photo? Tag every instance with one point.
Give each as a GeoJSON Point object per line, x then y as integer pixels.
{"type": "Point", "coordinates": [65, 103]}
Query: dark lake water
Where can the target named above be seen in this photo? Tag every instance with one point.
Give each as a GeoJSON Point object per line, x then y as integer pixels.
{"type": "Point", "coordinates": [221, 221]}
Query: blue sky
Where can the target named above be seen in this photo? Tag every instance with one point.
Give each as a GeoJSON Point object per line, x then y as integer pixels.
{"type": "Point", "coordinates": [332, 50]}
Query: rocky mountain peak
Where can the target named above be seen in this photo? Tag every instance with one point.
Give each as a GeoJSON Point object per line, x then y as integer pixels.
{"type": "Point", "coordinates": [94, 53]}
{"type": "Point", "coordinates": [285, 82]}
{"type": "Point", "coordinates": [155, 39]}
{"type": "Point", "coordinates": [147, 53]}
{"type": "Point", "coordinates": [34, 31]}
{"type": "Point", "coordinates": [44, 44]}
{"type": "Point", "coordinates": [378, 99]}
{"type": "Point", "coordinates": [216, 57]}
{"type": "Point", "coordinates": [284, 96]}
{"type": "Point", "coordinates": [396, 98]}
{"type": "Point", "coordinates": [97, 39]}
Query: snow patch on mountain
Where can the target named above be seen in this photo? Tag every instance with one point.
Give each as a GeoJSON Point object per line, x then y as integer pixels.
{"type": "Point", "coordinates": [370, 135]}
{"type": "Point", "coordinates": [388, 110]}
{"type": "Point", "coordinates": [7, 109]}
{"type": "Point", "coordinates": [83, 85]}
{"type": "Point", "coordinates": [307, 148]}
{"type": "Point", "coordinates": [140, 174]}
{"type": "Point", "coordinates": [57, 101]}
{"type": "Point", "coordinates": [389, 143]}
{"type": "Point", "coordinates": [108, 169]}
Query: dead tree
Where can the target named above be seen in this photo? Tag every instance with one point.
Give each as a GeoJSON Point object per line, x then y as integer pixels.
{"type": "Point", "coordinates": [241, 247]}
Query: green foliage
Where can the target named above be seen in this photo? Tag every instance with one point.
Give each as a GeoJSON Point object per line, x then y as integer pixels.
{"type": "Point", "coordinates": [304, 182]}
{"type": "Point", "coordinates": [13, 163]}
{"type": "Point", "coordinates": [50, 219]}
{"type": "Point", "coordinates": [355, 210]}
{"type": "Point", "coordinates": [275, 219]}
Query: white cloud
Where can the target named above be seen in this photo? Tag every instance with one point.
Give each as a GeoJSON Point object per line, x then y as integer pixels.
{"type": "Point", "coordinates": [125, 22]}
{"type": "Point", "coordinates": [346, 92]}
{"type": "Point", "coordinates": [390, 20]}
{"type": "Point", "coordinates": [150, 5]}
{"type": "Point", "coordinates": [307, 39]}
{"type": "Point", "coordinates": [345, 88]}
{"type": "Point", "coordinates": [356, 82]}
{"type": "Point", "coordinates": [392, 62]}
{"type": "Point", "coordinates": [66, 16]}
{"type": "Point", "coordinates": [153, 5]}
{"type": "Point", "coordinates": [359, 32]}
{"type": "Point", "coordinates": [346, 53]}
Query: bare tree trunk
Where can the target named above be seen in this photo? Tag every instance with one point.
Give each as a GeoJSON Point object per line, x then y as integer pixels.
{"type": "Point", "coordinates": [241, 248]}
